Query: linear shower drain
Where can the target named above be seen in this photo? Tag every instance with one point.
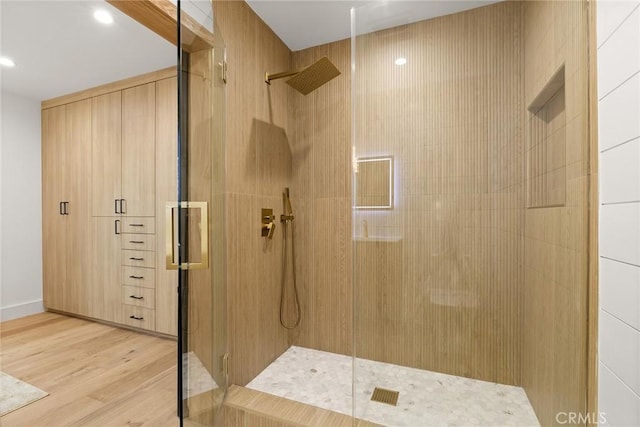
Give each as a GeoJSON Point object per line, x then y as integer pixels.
{"type": "Point", "coordinates": [382, 395]}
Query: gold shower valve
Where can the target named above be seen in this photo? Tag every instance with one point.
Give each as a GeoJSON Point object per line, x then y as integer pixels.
{"type": "Point", "coordinates": [268, 223]}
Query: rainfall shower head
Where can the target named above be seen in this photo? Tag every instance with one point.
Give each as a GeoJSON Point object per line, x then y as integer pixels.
{"type": "Point", "coordinates": [308, 79]}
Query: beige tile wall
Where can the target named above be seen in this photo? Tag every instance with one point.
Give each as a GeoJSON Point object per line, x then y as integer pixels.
{"type": "Point", "coordinates": [452, 120]}
{"type": "Point", "coordinates": [258, 166]}
{"type": "Point", "coordinates": [479, 286]}
{"type": "Point", "coordinates": [321, 195]}
{"type": "Point", "coordinates": [555, 292]}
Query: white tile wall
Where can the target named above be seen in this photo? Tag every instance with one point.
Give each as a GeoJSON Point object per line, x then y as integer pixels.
{"type": "Point", "coordinates": [620, 232]}
{"type": "Point", "coordinates": [610, 14]}
{"type": "Point", "coordinates": [620, 350]}
{"type": "Point", "coordinates": [616, 401]}
{"type": "Point", "coordinates": [619, 144]}
{"type": "Point", "coordinates": [619, 56]}
{"type": "Point", "coordinates": [621, 295]}
{"type": "Point", "coordinates": [620, 173]}
{"type": "Point", "coordinates": [618, 125]}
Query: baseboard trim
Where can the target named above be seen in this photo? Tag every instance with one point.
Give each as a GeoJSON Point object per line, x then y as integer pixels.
{"type": "Point", "coordinates": [21, 310]}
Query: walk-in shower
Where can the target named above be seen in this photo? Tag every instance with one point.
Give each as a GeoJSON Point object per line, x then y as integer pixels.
{"type": "Point", "coordinates": [449, 278]}
{"type": "Point", "coordinates": [436, 269]}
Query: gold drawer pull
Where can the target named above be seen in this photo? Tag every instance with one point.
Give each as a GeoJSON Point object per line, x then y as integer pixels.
{"type": "Point", "coordinates": [135, 297]}
{"type": "Point", "coordinates": [136, 277]}
{"type": "Point", "coordinates": [137, 242]}
{"type": "Point", "coordinates": [133, 316]}
{"type": "Point", "coordinates": [136, 259]}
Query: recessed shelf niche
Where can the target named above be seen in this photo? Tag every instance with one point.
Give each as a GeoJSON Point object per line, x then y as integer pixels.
{"type": "Point", "coordinates": [546, 145]}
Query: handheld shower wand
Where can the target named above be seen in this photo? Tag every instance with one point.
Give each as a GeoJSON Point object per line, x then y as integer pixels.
{"type": "Point", "coordinates": [286, 207]}
{"type": "Point", "coordinates": [287, 218]}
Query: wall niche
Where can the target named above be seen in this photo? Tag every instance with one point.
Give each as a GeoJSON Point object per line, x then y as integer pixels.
{"type": "Point", "coordinates": [546, 145]}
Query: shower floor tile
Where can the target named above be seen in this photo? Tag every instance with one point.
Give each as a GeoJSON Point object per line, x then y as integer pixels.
{"type": "Point", "coordinates": [426, 398]}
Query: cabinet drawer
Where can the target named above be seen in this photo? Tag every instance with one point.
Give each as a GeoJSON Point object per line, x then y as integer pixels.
{"type": "Point", "coordinates": [138, 317]}
{"type": "Point", "coordinates": [139, 276]}
{"type": "Point", "coordinates": [139, 297]}
{"type": "Point", "coordinates": [138, 258]}
{"type": "Point", "coordinates": [141, 242]}
{"type": "Point", "coordinates": [138, 225]}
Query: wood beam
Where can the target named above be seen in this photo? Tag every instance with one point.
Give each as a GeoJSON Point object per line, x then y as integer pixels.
{"type": "Point", "coordinates": [160, 16]}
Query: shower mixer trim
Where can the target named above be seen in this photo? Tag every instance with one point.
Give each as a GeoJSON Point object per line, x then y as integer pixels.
{"type": "Point", "coordinates": [268, 223]}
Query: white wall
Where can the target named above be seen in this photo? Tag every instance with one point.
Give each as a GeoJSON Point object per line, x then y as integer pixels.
{"type": "Point", "coordinates": [21, 207]}
{"type": "Point", "coordinates": [618, 35]}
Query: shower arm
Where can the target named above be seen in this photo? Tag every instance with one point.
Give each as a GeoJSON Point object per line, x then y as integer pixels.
{"type": "Point", "coordinates": [268, 77]}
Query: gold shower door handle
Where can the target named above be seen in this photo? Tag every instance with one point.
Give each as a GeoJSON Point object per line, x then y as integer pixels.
{"type": "Point", "coordinates": [170, 236]}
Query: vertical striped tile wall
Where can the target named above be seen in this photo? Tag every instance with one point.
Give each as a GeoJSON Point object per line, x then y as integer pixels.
{"type": "Point", "coordinates": [321, 194]}
{"type": "Point", "coordinates": [447, 295]}
{"type": "Point", "coordinates": [555, 249]}
{"type": "Point", "coordinates": [476, 285]}
{"type": "Point", "coordinates": [257, 168]}
{"type": "Point", "coordinates": [618, 38]}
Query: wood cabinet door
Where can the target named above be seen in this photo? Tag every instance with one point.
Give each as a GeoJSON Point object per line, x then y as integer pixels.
{"type": "Point", "coordinates": [78, 209]}
{"type": "Point", "coordinates": [138, 150]}
{"type": "Point", "coordinates": [166, 191]}
{"type": "Point", "coordinates": [53, 195]}
{"type": "Point", "coordinates": [105, 288]}
{"type": "Point", "coordinates": [106, 153]}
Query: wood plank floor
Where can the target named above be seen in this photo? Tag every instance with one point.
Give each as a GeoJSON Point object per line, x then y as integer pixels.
{"type": "Point", "coordinates": [96, 375]}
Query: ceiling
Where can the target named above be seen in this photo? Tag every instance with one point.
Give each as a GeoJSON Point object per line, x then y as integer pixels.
{"type": "Point", "coordinates": [304, 23]}
{"type": "Point", "coordinates": [59, 48]}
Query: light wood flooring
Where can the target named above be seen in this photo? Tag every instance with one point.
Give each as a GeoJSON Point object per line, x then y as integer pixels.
{"type": "Point", "coordinates": [96, 375]}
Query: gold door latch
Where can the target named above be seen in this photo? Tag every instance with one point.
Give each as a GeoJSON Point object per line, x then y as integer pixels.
{"type": "Point", "coordinates": [171, 243]}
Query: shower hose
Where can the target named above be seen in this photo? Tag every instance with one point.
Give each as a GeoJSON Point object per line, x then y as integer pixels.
{"type": "Point", "coordinates": [284, 276]}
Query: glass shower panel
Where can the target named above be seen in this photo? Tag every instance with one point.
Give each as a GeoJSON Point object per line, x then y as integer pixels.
{"type": "Point", "coordinates": [195, 221]}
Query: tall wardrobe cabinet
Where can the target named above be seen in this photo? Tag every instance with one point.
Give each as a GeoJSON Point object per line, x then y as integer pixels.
{"type": "Point", "coordinates": [101, 182]}
{"type": "Point", "coordinates": [66, 159]}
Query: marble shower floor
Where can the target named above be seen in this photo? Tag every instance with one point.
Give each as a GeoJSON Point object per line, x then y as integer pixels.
{"type": "Point", "coordinates": [426, 398]}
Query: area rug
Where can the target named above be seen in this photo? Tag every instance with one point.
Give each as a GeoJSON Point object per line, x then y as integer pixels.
{"type": "Point", "coordinates": [14, 394]}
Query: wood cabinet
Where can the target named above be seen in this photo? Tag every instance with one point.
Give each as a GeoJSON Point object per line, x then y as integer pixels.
{"type": "Point", "coordinates": [138, 154]}
{"type": "Point", "coordinates": [138, 258]}
{"type": "Point", "coordinates": [66, 142]}
{"type": "Point", "coordinates": [104, 288]}
{"type": "Point", "coordinates": [53, 195]}
{"type": "Point", "coordinates": [109, 167]}
{"type": "Point", "coordinates": [166, 192]}
{"type": "Point", "coordinates": [106, 153]}
{"type": "Point", "coordinates": [123, 152]}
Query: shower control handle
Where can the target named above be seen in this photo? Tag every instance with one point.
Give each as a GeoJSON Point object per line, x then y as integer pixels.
{"type": "Point", "coordinates": [268, 223]}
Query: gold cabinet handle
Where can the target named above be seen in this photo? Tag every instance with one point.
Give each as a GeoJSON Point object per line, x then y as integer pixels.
{"type": "Point", "coordinates": [170, 236]}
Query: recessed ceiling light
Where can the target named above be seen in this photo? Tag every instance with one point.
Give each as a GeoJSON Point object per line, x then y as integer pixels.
{"type": "Point", "coordinates": [401, 61]}
{"type": "Point", "coordinates": [103, 16]}
{"type": "Point", "coordinates": [6, 62]}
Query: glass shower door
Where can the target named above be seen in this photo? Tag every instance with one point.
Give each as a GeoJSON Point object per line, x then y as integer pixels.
{"type": "Point", "coordinates": [194, 223]}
